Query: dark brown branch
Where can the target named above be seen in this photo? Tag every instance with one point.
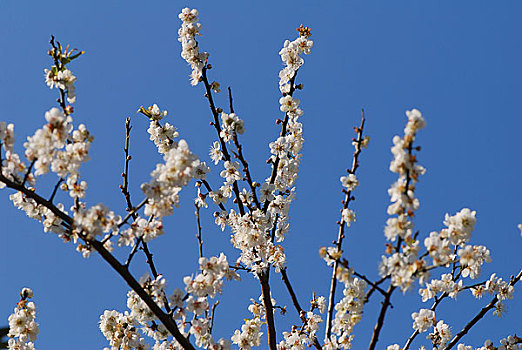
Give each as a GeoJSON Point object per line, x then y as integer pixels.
{"type": "Point", "coordinates": [133, 251]}
{"type": "Point", "coordinates": [374, 288]}
{"type": "Point", "coordinates": [285, 279]}
{"type": "Point", "coordinates": [373, 284]}
{"type": "Point", "coordinates": [198, 235]}
{"type": "Point", "coordinates": [55, 189]}
{"type": "Point", "coordinates": [132, 212]}
{"type": "Point", "coordinates": [125, 187]}
{"type": "Point", "coordinates": [207, 186]}
{"type": "Point", "coordinates": [380, 321]}
{"type": "Point", "coordinates": [28, 172]}
{"type": "Point", "coordinates": [111, 260]}
{"type": "Point", "coordinates": [224, 149]}
{"type": "Point", "coordinates": [264, 278]}
{"type": "Point", "coordinates": [241, 157]}
{"type": "Point", "coordinates": [298, 308]}
{"type": "Point", "coordinates": [167, 320]}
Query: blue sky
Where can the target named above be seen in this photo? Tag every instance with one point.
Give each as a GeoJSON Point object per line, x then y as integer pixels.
{"type": "Point", "coordinates": [459, 63]}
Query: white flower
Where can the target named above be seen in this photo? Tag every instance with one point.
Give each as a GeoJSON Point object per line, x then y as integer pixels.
{"type": "Point", "coordinates": [22, 324]}
{"type": "Point", "coordinates": [348, 216]}
{"type": "Point", "coordinates": [288, 104]}
{"type": "Point", "coordinates": [350, 182]}
{"type": "Point", "coordinates": [215, 152]}
{"type": "Point", "coordinates": [231, 173]}
{"type": "Point", "coordinates": [423, 320]}
{"type": "Point", "coordinates": [267, 192]}
{"type": "Point", "coordinates": [197, 305]}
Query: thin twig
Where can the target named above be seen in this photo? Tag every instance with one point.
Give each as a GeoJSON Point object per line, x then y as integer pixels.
{"type": "Point", "coordinates": [207, 186]}
{"type": "Point", "coordinates": [224, 149]}
{"type": "Point", "coordinates": [241, 157]}
{"type": "Point", "coordinates": [340, 236]}
{"type": "Point", "coordinates": [373, 284]}
{"type": "Point", "coordinates": [380, 321]}
{"type": "Point", "coordinates": [59, 66]}
{"type": "Point", "coordinates": [132, 212]}
{"type": "Point", "coordinates": [433, 307]}
{"type": "Point", "coordinates": [133, 251]}
{"type": "Point", "coordinates": [298, 308]}
{"type": "Point", "coordinates": [55, 189]}
{"type": "Point", "coordinates": [374, 288]}
{"type": "Point", "coordinates": [154, 271]}
{"type": "Point", "coordinates": [213, 312]}
{"type": "Point", "coordinates": [125, 187]}
{"type": "Point", "coordinates": [198, 235]}
{"type": "Point", "coordinates": [28, 172]}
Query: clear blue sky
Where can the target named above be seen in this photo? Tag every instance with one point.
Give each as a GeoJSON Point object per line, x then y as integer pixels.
{"type": "Point", "coordinates": [458, 62]}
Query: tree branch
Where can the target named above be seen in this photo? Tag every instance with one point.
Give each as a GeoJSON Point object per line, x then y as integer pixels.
{"type": "Point", "coordinates": [380, 321]}
{"type": "Point", "coordinates": [264, 278]}
{"type": "Point", "coordinates": [298, 308]}
{"type": "Point", "coordinates": [340, 236]}
{"type": "Point", "coordinates": [169, 323]}
{"type": "Point", "coordinates": [480, 314]}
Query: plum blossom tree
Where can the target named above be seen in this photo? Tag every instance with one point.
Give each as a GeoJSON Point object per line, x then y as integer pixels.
{"type": "Point", "coordinates": [255, 212]}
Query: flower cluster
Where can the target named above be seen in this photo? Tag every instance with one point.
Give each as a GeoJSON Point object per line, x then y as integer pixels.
{"type": "Point", "coordinates": [231, 125]}
{"type": "Point", "coordinates": [250, 334]}
{"type": "Point", "coordinates": [285, 150]}
{"type": "Point", "coordinates": [147, 230]}
{"type": "Point", "coordinates": [509, 343]}
{"type": "Point", "coordinates": [44, 148]}
{"type": "Point", "coordinates": [162, 135]}
{"type": "Point", "coordinates": [472, 258]}
{"type": "Point", "coordinates": [43, 145]}
{"type": "Point", "coordinates": [190, 50]}
{"type": "Point", "coordinates": [11, 166]}
{"type": "Point", "coordinates": [95, 221]}
{"type": "Point", "coordinates": [290, 55]}
{"type": "Point", "coordinates": [210, 281]}
{"type": "Point", "coordinates": [423, 320]}
{"type": "Point", "coordinates": [252, 237]}
{"type": "Point", "coordinates": [121, 331]}
{"type": "Point", "coordinates": [168, 178]}
{"type": "Point", "coordinates": [55, 146]}
{"type": "Point", "coordinates": [446, 284]}
{"type": "Point", "coordinates": [403, 265]}
{"type": "Point", "coordinates": [63, 80]}
{"type": "Point", "coordinates": [495, 286]}
{"type": "Point", "coordinates": [502, 289]}
{"type": "Point", "coordinates": [348, 311]}
{"type": "Point", "coordinates": [300, 338]}
{"type": "Point", "coordinates": [441, 335]}
{"type": "Point", "coordinates": [22, 325]}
